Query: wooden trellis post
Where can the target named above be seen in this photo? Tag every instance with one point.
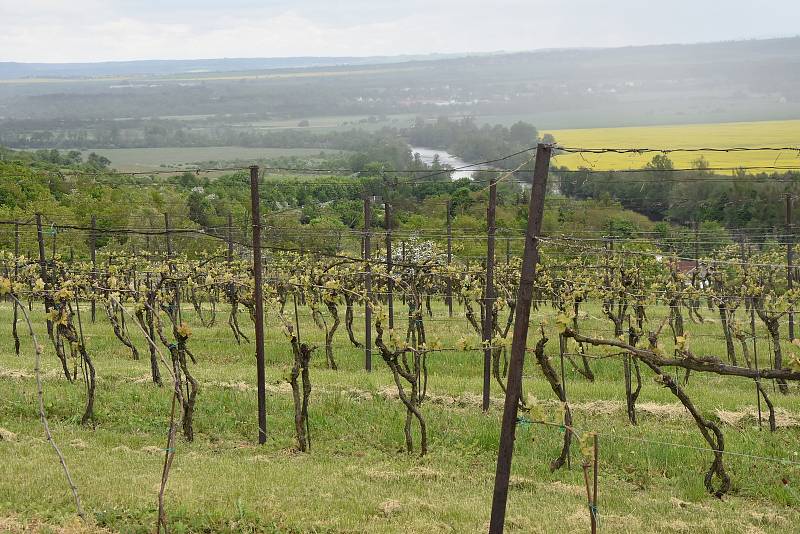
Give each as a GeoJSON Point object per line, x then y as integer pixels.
{"type": "Point", "coordinates": [449, 297]}
{"type": "Point", "coordinates": [488, 306]}
{"type": "Point", "coordinates": [93, 253]}
{"type": "Point", "coordinates": [387, 215]}
{"type": "Point", "coordinates": [258, 297]}
{"type": "Point", "coordinates": [530, 258]}
{"type": "Point", "coordinates": [789, 260]}
{"type": "Point", "coordinates": [367, 286]}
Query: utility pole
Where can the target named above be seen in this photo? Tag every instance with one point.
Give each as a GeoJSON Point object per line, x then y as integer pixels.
{"type": "Point", "coordinates": [530, 258]}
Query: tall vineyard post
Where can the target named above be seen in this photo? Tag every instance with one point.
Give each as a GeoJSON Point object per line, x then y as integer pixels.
{"type": "Point", "coordinates": [367, 285]}
{"type": "Point", "coordinates": [449, 259]}
{"type": "Point", "coordinates": [93, 255]}
{"type": "Point", "coordinates": [167, 236]}
{"type": "Point", "coordinates": [530, 258]}
{"type": "Point", "coordinates": [789, 260]}
{"type": "Point", "coordinates": [258, 299]}
{"type": "Point", "coordinates": [175, 306]}
{"type": "Point", "coordinates": [43, 269]}
{"type": "Point", "coordinates": [387, 216]}
{"type": "Point", "coordinates": [595, 470]}
{"type": "Point", "coordinates": [16, 277]}
{"type": "Point", "coordinates": [755, 359]}
{"type": "Point", "coordinates": [229, 262]}
{"type": "Point", "coordinates": [488, 323]}
{"type": "Point", "coordinates": [53, 252]}
{"type": "Point", "coordinates": [16, 245]}
{"type": "Point", "coordinates": [229, 239]}
{"type": "Point", "coordinates": [696, 250]}
{"type": "Point", "coordinates": [245, 226]}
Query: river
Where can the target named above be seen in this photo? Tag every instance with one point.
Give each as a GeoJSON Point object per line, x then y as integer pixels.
{"type": "Point", "coordinates": [445, 158]}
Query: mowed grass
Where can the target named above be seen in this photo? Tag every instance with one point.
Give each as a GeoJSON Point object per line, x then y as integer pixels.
{"type": "Point", "coordinates": [724, 135]}
{"type": "Point", "coordinates": [356, 478]}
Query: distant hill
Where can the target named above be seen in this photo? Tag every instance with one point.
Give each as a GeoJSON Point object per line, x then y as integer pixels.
{"type": "Point", "coordinates": [13, 70]}
{"type": "Point", "coordinates": [550, 61]}
{"type": "Point", "coordinates": [149, 103]}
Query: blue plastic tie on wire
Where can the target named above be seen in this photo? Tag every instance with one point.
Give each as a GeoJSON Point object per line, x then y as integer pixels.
{"type": "Point", "coordinates": [172, 346]}
{"type": "Point", "coordinates": [595, 513]}
{"type": "Point", "coordinates": [524, 422]}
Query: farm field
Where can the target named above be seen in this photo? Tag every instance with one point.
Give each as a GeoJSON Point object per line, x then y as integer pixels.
{"type": "Point", "coordinates": [217, 76]}
{"type": "Point", "coordinates": [145, 159]}
{"type": "Point", "coordinates": [354, 479]}
{"type": "Point", "coordinates": [735, 134]}
{"type": "Point", "coordinates": [334, 123]}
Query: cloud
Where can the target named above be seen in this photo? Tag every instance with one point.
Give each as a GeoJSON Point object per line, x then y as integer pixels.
{"type": "Point", "coordinates": [92, 30]}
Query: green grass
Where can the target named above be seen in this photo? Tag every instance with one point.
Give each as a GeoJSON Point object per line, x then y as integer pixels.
{"type": "Point", "coordinates": [223, 482]}
{"type": "Point", "coordinates": [147, 159]}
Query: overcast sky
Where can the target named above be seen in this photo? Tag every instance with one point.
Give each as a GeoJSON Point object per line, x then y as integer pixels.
{"type": "Point", "coordinates": [99, 30]}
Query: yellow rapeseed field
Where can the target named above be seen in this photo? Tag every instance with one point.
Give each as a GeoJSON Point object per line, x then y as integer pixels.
{"type": "Point", "coordinates": [725, 135]}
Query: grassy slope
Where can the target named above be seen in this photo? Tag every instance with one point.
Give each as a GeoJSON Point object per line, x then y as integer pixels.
{"type": "Point", "coordinates": [737, 134]}
{"type": "Point", "coordinates": [223, 482]}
